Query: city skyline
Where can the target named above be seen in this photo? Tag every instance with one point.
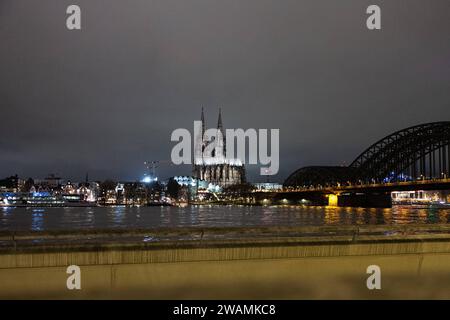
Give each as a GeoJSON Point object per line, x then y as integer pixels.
{"type": "Point", "coordinates": [224, 158]}
{"type": "Point", "coordinates": [102, 102]}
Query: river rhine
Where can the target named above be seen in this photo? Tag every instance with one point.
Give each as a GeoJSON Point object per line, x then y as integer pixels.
{"type": "Point", "coordinates": [41, 219]}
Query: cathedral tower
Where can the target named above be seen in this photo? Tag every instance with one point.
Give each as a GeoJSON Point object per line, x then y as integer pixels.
{"type": "Point", "coordinates": [217, 169]}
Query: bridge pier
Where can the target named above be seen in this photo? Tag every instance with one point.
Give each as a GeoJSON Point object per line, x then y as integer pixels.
{"type": "Point", "coordinates": [301, 198]}
{"type": "Point", "coordinates": [365, 200]}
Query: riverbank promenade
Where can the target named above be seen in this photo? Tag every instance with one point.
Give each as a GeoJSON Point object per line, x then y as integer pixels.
{"type": "Point", "coordinates": [228, 263]}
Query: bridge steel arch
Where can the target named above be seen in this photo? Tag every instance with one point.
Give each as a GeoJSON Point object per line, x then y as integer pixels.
{"type": "Point", "coordinates": [418, 152]}
{"type": "Point", "coordinates": [415, 153]}
{"type": "Point", "coordinates": [319, 176]}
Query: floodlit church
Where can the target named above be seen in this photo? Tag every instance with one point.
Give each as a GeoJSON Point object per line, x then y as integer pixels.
{"type": "Point", "coordinates": [216, 168]}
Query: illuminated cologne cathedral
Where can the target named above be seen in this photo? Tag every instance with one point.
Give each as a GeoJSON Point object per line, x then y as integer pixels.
{"type": "Point", "coordinates": [217, 169]}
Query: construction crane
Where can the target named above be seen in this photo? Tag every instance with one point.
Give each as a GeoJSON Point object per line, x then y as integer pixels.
{"type": "Point", "coordinates": [151, 167]}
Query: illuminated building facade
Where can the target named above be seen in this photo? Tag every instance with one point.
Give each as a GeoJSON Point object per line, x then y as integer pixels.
{"type": "Point", "coordinates": [216, 169]}
{"type": "Point", "coordinates": [421, 197]}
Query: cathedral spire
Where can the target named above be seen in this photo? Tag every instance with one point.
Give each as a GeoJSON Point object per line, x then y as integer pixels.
{"type": "Point", "coordinates": [219, 121]}
{"type": "Point", "coordinates": [220, 128]}
{"type": "Point", "coordinates": [203, 122]}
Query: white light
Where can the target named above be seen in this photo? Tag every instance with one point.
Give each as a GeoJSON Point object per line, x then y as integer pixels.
{"type": "Point", "coordinates": [217, 160]}
{"type": "Point", "coordinates": [147, 179]}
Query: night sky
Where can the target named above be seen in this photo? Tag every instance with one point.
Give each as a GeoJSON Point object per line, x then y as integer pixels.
{"type": "Point", "coordinates": [105, 99]}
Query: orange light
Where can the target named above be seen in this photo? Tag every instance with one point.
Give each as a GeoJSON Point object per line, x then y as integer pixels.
{"type": "Point", "coordinates": [332, 200]}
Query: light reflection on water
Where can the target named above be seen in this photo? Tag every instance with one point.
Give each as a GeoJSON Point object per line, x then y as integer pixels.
{"type": "Point", "coordinates": [212, 216]}
{"type": "Point", "coordinates": [37, 219]}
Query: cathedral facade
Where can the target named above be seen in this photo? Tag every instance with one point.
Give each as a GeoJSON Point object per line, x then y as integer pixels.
{"type": "Point", "coordinates": [216, 168]}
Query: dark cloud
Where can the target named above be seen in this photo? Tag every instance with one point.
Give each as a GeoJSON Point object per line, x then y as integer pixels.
{"type": "Point", "coordinates": [106, 98]}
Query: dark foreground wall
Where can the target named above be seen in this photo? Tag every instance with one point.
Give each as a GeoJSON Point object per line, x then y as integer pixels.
{"type": "Point", "coordinates": [414, 264]}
